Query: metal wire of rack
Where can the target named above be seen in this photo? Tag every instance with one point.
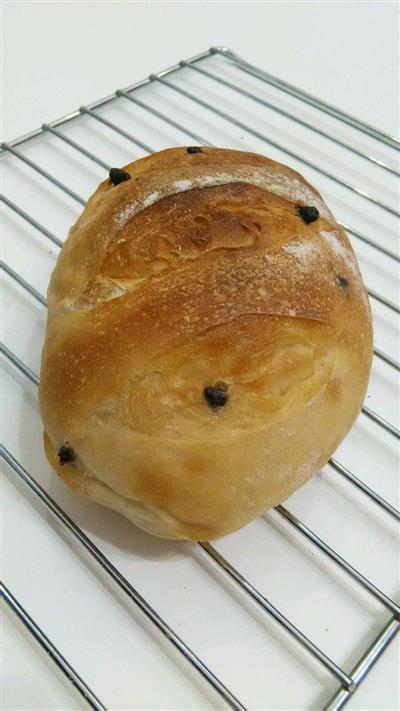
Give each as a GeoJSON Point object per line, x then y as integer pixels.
{"type": "Point", "coordinates": [225, 69]}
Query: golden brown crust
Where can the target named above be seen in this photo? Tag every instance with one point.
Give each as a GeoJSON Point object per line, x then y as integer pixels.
{"type": "Point", "coordinates": [199, 269]}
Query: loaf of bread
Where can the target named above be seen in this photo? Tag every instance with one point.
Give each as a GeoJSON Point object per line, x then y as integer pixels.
{"type": "Point", "coordinates": [208, 341]}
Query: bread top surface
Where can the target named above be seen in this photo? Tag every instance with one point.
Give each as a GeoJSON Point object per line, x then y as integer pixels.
{"type": "Point", "coordinates": [199, 270]}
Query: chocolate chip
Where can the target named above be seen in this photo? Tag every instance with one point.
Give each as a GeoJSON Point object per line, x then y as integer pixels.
{"type": "Point", "coordinates": [194, 149]}
{"type": "Point", "coordinates": [216, 395]}
{"type": "Point", "coordinates": [308, 214]}
{"type": "Point", "coordinates": [342, 281]}
{"type": "Point", "coordinates": [65, 454]}
{"type": "Point", "coordinates": [118, 176]}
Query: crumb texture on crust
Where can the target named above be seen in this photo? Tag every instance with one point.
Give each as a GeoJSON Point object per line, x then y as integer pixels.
{"type": "Point", "coordinates": [197, 271]}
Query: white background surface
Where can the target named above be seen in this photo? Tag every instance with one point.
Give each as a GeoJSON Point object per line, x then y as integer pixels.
{"type": "Point", "coordinates": [59, 55]}
{"type": "Point", "coordinates": [56, 57]}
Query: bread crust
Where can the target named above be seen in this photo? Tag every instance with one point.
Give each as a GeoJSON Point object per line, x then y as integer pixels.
{"type": "Point", "coordinates": [199, 270]}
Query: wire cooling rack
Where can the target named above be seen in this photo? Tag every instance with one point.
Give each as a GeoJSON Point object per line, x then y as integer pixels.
{"type": "Point", "coordinates": [294, 610]}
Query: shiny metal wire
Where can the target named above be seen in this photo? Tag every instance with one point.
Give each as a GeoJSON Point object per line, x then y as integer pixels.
{"type": "Point", "coordinates": [50, 649]}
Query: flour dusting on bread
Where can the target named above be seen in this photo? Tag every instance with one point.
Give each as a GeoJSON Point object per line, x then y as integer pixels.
{"type": "Point", "coordinates": [306, 252]}
{"type": "Point", "coordinates": [278, 183]}
{"type": "Point", "coordinates": [334, 243]}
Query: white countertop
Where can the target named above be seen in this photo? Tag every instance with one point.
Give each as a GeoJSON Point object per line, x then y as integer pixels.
{"type": "Point", "coordinates": [58, 56]}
